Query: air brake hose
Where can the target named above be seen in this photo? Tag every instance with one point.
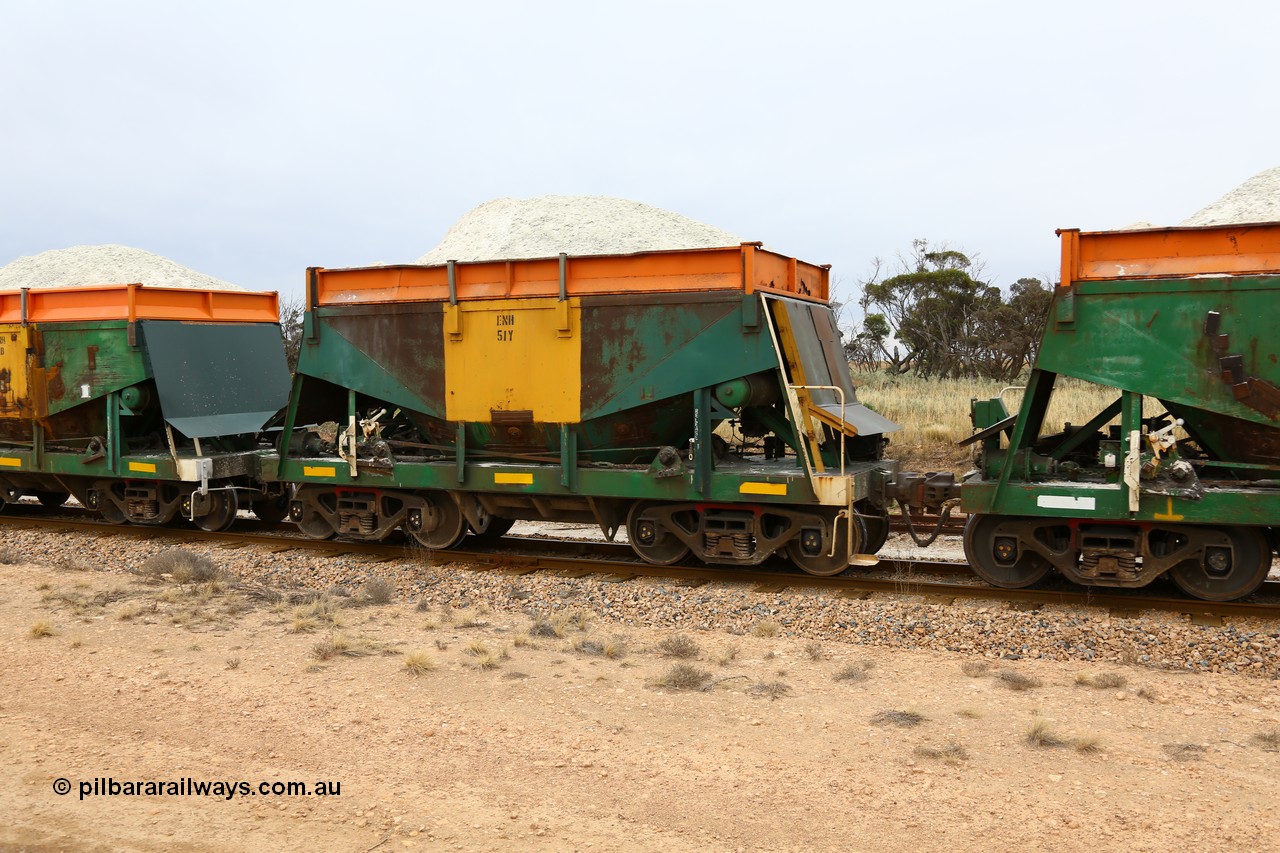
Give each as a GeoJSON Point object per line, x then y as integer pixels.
{"type": "Point", "coordinates": [937, 530]}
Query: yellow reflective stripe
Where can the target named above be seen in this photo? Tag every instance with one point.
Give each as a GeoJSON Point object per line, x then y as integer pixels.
{"type": "Point", "coordinates": [145, 467]}
{"type": "Point", "coordinates": [318, 471]}
{"type": "Point", "coordinates": [763, 489]}
{"type": "Point", "coordinates": [513, 479]}
{"type": "Point", "coordinates": [10, 462]}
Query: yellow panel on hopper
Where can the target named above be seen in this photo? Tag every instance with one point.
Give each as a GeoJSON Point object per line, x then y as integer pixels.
{"type": "Point", "coordinates": [13, 370]}
{"type": "Point", "coordinates": [513, 355]}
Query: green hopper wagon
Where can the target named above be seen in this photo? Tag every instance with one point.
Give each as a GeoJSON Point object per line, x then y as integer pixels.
{"type": "Point", "coordinates": [698, 399]}
{"type": "Point", "coordinates": [1187, 321]}
{"type": "Point", "coordinates": [145, 403]}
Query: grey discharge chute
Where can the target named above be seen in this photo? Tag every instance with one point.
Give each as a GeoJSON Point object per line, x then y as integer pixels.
{"type": "Point", "coordinates": [217, 378]}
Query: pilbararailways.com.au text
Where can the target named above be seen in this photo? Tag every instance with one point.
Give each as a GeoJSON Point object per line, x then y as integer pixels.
{"type": "Point", "coordinates": [188, 787]}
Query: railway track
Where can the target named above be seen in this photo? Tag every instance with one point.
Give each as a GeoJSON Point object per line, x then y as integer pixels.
{"type": "Point", "coordinates": [927, 524]}
{"type": "Point", "coordinates": [937, 581]}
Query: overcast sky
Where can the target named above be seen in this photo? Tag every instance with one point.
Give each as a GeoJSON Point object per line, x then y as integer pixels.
{"type": "Point", "coordinates": [251, 140]}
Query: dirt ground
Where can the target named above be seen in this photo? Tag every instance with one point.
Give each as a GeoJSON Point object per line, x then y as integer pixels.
{"type": "Point", "coordinates": [515, 741]}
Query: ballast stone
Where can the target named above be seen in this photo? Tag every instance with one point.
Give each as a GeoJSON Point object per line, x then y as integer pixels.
{"type": "Point", "coordinates": [545, 226]}
{"type": "Point", "coordinates": [78, 266]}
{"type": "Point", "coordinates": [1255, 200]}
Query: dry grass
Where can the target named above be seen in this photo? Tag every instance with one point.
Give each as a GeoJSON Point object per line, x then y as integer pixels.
{"type": "Point", "coordinates": [483, 657]}
{"type": "Point", "coordinates": [853, 672]}
{"type": "Point", "coordinates": [486, 662]}
{"type": "Point", "coordinates": [376, 591]}
{"type": "Point", "coordinates": [11, 557]}
{"type": "Point", "coordinates": [1184, 751]}
{"type": "Point", "coordinates": [180, 566]}
{"type": "Point", "coordinates": [560, 624]}
{"type": "Point", "coordinates": [1016, 680]}
{"type": "Point", "coordinates": [322, 610]}
{"type": "Point", "coordinates": [543, 628]}
{"type": "Point", "coordinates": [969, 713]}
{"type": "Point", "coordinates": [233, 663]}
{"type": "Point", "coordinates": [766, 628]}
{"type": "Point", "coordinates": [683, 676]}
{"type": "Point", "coordinates": [934, 413]}
{"type": "Point", "coordinates": [813, 651]}
{"type": "Point", "coordinates": [1041, 733]}
{"type": "Point", "coordinates": [680, 646]}
{"type": "Point", "coordinates": [579, 619]}
{"type": "Point", "coordinates": [418, 662]}
{"type": "Point", "coordinates": [952, 753]}
{"type": "Point", "coordinates": [902, 719]}
{"type": "Point", "coordinates": [773, 690]}
{"type": "Point", "coordinates": [975, 668]}
{"type": "Point", "coordinates": [41, 629]}
{"type": "Point", "coordinates": [130, 612]}
{"type": "Point", "coordinates": [1101, 680]}
{"type": "Point", "coordinates": [74, 564]}
{"type": "Point", "coordinates": [1087, 744]}
{"type": "Point", "coordinates": [303, 625]}
{"type": "Point", "coordinates": [340, 645]}
{"type": "Point", "coordinates": [728, 655]}
{"type": "Point", "coordinates": [1268, 740]}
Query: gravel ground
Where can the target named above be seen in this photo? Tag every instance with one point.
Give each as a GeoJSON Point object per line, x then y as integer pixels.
{"type": "Point", "coordinates": [972, 627]}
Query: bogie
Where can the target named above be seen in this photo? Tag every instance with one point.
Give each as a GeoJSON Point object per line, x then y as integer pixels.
{"type": "Point", "coordinates": [1205, 561]}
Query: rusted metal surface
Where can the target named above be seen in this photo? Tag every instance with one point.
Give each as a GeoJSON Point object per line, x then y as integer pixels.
{"type": "Point", "coordinates": [392, 352]}
{"type": "Point", "coordinates": [637, 349]}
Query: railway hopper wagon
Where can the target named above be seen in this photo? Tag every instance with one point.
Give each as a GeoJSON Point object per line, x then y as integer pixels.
{"type": "Point", "coordinates": [698, 399]}
{"type": "Point", "coordinates": [145, 403]}
{"type": "Point", "coordinates": [1187, 486]}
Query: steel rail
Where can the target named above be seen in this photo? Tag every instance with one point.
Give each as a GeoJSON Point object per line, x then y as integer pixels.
{"type": "Point", "coordinates": [905, 579]}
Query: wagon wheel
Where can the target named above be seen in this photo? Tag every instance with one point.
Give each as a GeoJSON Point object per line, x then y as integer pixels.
{"type": "Point", "coordinates": [271, 510]}
{"type": "Point", "coordinates": [223, 505]}
{"type": "Point", "coordinates": [52, 500]}
{"type": "Point", "coordinates": [650, 539]}
{"type": "Point", "coordinates": [443, 524]}
{"type": "Point", "coordinates": [106, 507]}
{"type": "Point", "coordinates": [827, 553]}
{"type": "Point", "coordinates": [993, 545]}
{"type": "Point", "coordinates": [494, 530]}
{"type": "Point", "coordinates": [877, 527]}
{"type": "Point", "coordinates": [313, 525]}
{"type": "Point", "coordinates": [1229, 569]}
